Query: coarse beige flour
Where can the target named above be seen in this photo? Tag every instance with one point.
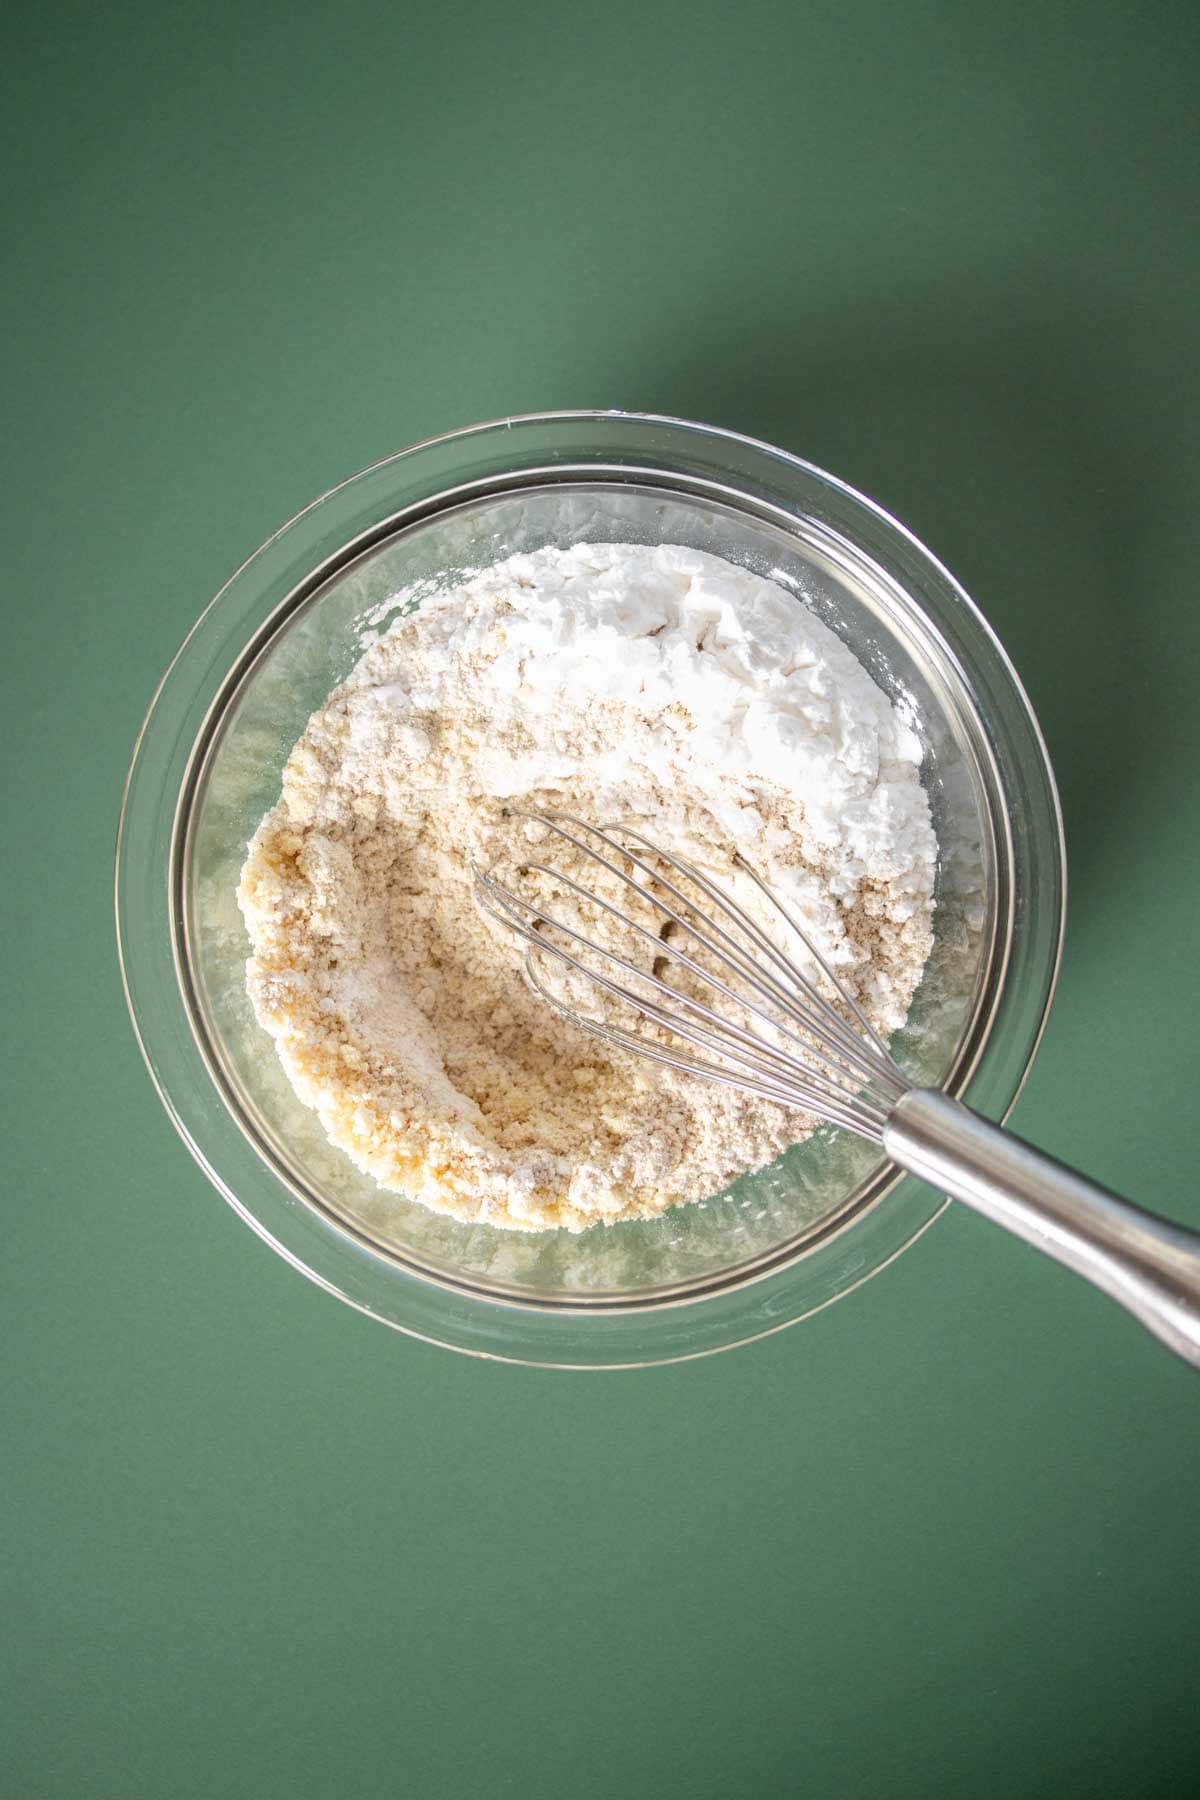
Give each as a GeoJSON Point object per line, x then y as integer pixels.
{"type": "Point", "coordinates": [659, 685]}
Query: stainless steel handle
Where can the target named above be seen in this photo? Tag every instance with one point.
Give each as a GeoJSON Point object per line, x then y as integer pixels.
{"type": "Point", "coordinates": [1148, 1265]}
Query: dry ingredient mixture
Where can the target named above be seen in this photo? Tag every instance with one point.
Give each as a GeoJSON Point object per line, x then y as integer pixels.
{"type": "Point", "coordinates": [655, 684]}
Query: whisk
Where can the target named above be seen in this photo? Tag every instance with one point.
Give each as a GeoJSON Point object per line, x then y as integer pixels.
{"type": "Point", "coordinates": [749, 1016]}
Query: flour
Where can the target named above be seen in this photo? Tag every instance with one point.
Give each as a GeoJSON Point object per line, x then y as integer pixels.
{"type": "Point", "coordinates": [659, 685]}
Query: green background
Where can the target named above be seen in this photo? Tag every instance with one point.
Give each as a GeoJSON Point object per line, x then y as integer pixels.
{"type": "Point", "coordinates": [939, 1540]}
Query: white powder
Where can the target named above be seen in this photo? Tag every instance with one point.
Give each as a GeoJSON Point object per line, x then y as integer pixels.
{"type": "Point", "coordinates": [654, 684]}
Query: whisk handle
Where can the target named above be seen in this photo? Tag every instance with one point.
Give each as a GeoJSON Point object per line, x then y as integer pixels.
{"type": "Point", "coordinates": [1151, 1267]}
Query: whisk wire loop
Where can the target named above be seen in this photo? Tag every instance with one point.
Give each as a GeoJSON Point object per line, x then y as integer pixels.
{"type": "Point", "coordinates": [776, 1073]}
{"type": "Point", "coordinates": [817, 1061]}
{"type": "Point", "coordinates": [846, 1045]}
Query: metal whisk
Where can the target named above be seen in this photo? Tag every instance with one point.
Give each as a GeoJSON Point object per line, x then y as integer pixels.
{"type": "Point", "coordinates": [746, 1014]}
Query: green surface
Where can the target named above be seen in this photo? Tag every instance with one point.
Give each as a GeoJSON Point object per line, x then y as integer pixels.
{"type": "Point", "coordinates": [942, 1539]}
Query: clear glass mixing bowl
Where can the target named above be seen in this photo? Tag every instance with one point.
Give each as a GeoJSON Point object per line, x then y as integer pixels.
{"type": "Point", "coordinates": [288, 627]}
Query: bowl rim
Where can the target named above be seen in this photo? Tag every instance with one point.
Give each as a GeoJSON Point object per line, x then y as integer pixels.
{"type": "Point", "coordinates": [357, 545]}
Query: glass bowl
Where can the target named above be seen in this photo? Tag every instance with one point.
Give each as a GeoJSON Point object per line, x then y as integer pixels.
{"type": "Point", "coordinates": [289, 626]}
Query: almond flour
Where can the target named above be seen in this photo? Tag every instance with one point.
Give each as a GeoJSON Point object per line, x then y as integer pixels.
{"type": "Point", "coordinates": [660, 685]}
